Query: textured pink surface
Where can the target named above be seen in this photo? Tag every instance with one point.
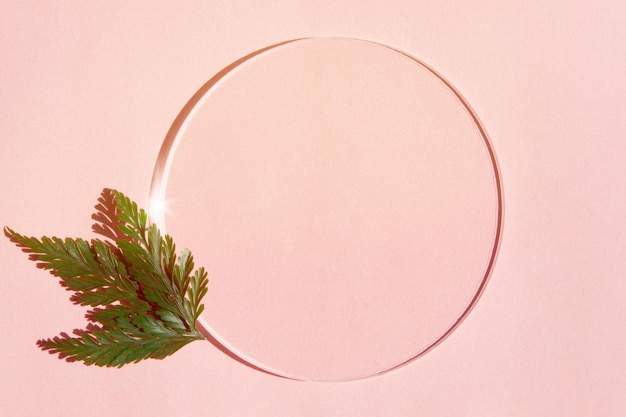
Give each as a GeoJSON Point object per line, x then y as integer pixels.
{"type": "Point", "coordinates": [89, 91]}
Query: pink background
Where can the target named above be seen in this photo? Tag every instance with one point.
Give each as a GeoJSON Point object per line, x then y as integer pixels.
{"type": "Point", "coordinates": [88, 92]}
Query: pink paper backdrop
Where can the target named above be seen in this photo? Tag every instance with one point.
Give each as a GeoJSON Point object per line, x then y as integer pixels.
{"type": "Point", "coordinates": [88, 92]}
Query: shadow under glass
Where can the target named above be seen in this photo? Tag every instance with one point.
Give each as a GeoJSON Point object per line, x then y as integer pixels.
{"type": "Point", "coordinates": [344, 199]}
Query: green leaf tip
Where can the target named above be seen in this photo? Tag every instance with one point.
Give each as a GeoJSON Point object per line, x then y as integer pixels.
{"type": "Point", "coordinates": [145, 299]}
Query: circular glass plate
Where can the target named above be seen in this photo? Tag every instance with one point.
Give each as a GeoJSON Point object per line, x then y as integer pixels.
{"type": "Point", "coordinates": [344, 199]}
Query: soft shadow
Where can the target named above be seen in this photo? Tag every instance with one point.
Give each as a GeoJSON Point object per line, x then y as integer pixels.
{"type": "Point", "coordinates": [211, 339]}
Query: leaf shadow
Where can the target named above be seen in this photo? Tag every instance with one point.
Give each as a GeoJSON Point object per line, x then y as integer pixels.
{"type": "Point", "coordinates": [107, 220]}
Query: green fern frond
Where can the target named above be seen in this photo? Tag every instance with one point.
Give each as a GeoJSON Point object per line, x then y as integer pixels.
{"type": "Point", "coordinates": [146, 299]}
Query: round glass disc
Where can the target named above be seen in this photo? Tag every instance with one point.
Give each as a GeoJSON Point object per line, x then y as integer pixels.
{"type": "Point", "coordinates": [344, 199]}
